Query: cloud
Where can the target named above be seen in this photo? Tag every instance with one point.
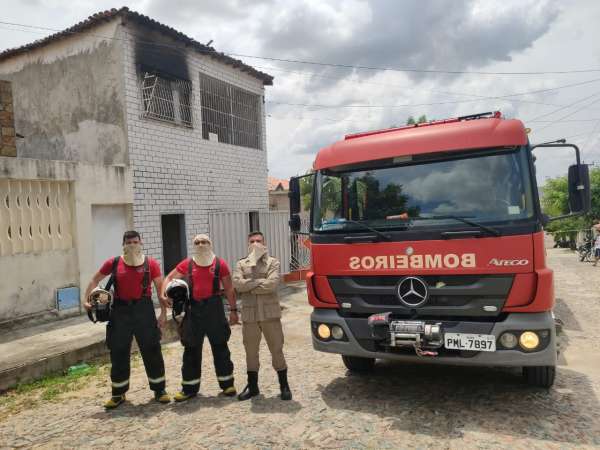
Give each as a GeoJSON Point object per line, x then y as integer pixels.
{"type": "Point", "coordinates": [390, 33]}
{"type": "Point", "coordinates": [512, 35]}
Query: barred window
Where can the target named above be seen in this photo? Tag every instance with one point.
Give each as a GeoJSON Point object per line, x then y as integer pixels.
{"type": "Point", "coordinates": [167, 99]}
{"type": "Point", "coordinates": [231, 113]}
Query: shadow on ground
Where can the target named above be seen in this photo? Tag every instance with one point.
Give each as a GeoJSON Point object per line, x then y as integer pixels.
{"type": "Point", "coordinates": [566, 315]}
{"type": "Point", "coordinates": [445, 402]}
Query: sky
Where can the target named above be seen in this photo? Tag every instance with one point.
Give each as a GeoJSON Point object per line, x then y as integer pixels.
{"type": "Point", "coordinates": [311, 106]}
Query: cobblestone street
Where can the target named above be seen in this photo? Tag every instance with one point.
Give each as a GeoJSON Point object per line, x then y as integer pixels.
{"type": "Point", "coordinates": [398, 406]}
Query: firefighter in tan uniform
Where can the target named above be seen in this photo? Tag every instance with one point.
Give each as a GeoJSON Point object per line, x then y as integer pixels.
{"type": "Point", "coordinates": [256, 279]}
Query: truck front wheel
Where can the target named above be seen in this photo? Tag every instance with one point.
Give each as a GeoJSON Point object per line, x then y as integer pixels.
{"type": "Point", "coordinates": [540, 376]}
{"type": "Point", "coordinates": [357, 364]}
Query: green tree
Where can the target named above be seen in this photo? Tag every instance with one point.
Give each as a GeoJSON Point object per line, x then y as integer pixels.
{"type": "Point", "coordinates": [380, 203]}
{"type": "Point", "coordinates": [555, 202]}
{"type": "Point", "coordinates": [306, 184]}
{"type": "Point", "coordinates": [412, 121]}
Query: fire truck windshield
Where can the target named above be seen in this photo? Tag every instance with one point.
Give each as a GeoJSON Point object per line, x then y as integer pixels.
{"type": "Point", "coordinates": [483, 186]}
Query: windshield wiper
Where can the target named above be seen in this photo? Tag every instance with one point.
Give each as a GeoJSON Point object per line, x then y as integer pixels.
{"type": "Point", "coordinates": [490, 230]}
{"type": "Point", "coordinates": [383, 236]}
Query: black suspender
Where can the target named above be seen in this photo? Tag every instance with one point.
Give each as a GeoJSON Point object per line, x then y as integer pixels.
{"type": "Point", "coordinates": [112, 281]}
{"type": "Point", "coordinates": [190, 279]}
{"type": "Point", "coordinates": [216, 278]}
{"type": "Point", "coordinates": [146, 279]}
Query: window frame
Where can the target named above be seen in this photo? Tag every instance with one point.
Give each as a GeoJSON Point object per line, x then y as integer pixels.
{"type": "Point", "coordinates": [234, 114]}
{"type": "Point", "coordinates": [178, 113]}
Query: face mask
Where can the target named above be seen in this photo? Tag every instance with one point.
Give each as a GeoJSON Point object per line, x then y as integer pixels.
{"type": "Point", "coordinates": [203, 253]}
{"type": "Point", "coordinates": [255, 252]}
{"type": "Point", "coordinates": [133, 255]}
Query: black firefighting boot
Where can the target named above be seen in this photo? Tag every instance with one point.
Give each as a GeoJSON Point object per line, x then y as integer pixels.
{"type": "Point", "coordinates": [286, 394]}
{"type": "Point", "coordinates": [251, 390]}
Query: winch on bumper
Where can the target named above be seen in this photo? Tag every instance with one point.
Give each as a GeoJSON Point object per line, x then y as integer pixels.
{"type": "Point", "coordinates": [424, 337]}
{"type": "Point", "coordinates": [431, 339]}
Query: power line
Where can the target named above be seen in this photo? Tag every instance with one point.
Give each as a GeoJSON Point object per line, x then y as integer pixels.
{"type": "Point", "coordinates": [411, 70]}
{"type": "Point", "coordinates": [504, 98]}
{"type": "Point", "coordinates": [591, 134]}
{"type": "Point", "coordinates": [347, 66]}
{"type": "Point", "coordinates": [537, 91]}
{"type": "Point", "coordinates": [562, 107]}
{"type": "Point", "coordinates": [565, 121]}
{"type": "Point", "coordinates": [571, 113]}
{"type": "Point", "coordinates": [456, 94]}
{"type": "Point", "coordinates": [501, 97]}
{"type": "Point", "coordinates": [336, 65]}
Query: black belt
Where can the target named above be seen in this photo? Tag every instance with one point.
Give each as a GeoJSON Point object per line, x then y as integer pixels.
{"type": "Point", "coordinates": [206, 299]}
{"type": "Point", "coordinates": [121, 302]}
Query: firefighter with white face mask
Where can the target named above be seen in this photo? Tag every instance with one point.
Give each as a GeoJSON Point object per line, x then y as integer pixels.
{"type": "Point", "coordinates": [256, 279]}
{"type": "Point", "coordinates": [205, 273]}
{"type": "Point", "coordinates": [132, 314]}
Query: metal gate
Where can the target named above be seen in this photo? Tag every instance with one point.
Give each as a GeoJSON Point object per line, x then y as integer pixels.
{"type": "Point", "coordinates": [229, 232]}
{"type": "Point", "coordinates": [274, 225]}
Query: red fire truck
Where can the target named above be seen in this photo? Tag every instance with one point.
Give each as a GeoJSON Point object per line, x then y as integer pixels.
{"type": "Point", "coordinates": [427, 244]}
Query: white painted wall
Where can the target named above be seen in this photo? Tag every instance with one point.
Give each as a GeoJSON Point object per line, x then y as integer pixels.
{"type": "Point", "coordinates": [109, 222]}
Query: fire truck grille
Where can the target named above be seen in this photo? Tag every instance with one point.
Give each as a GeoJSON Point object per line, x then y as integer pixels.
{"type": "Point", "coordinates": [458, 295]}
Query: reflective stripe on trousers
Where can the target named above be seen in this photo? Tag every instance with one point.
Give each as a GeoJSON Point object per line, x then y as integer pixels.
{"type": "Point", "coordinates": [120, 384]}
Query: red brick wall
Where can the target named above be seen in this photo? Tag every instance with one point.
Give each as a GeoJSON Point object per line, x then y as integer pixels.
{"type": "Point", "coordinates": [8, 146]}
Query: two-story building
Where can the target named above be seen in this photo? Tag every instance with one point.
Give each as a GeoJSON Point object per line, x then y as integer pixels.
{"type": "Point", "coordinates": [121, 122]}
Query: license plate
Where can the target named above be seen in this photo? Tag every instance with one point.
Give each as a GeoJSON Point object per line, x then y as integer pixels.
{"type": "Point", "coordinates": [472, 342]}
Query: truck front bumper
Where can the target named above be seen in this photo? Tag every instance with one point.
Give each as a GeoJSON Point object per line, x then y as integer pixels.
{"type": "Point", "coordinates": [511, 358]}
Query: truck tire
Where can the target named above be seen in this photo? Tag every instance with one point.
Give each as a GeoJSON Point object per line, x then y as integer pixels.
{"type": "Point", "coordinates": [540, 376]}
{"type": "Point", "coordinates": [357, 364]}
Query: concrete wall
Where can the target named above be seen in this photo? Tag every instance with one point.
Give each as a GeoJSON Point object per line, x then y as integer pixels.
{"type": "Point", "coordinates": [68, 98]}
{"type": "Point", "coordinates": [279, 201]}
{"type": "Point", "coordinates": [30, 280]}
{"type": "Point", "coordinates": [175, 169]}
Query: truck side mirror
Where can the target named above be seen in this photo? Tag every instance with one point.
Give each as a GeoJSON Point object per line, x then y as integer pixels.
{"type": "Point", "coordinates": [294, 195]}
{"type": "Point", "coordinates": [295, 223]}
{"type": "Point", "coordinates": [300, 195]}
{"type": "Point", "coordinates": [579, 183]}
{"type": "Point", "coordinates": [579, 188]}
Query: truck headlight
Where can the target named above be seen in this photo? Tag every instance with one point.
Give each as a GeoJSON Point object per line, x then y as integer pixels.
{"type": "Point", "coordinates": [337, 332]}
{"type": "Point", "coordinates": [508, 340]}
{"type": "Point", "coordinates": [323, 331]}
{"type": "Point", "coordinates": [529, 340]}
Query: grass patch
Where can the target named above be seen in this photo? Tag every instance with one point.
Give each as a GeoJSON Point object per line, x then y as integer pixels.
{"type": "Point", "coordinates": [54, 385]}
{"type": "Point", "coordinates": [47, 389]}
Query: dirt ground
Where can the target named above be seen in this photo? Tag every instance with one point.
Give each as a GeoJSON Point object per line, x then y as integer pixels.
{"type": "Point", "coordinates": [397, 406]}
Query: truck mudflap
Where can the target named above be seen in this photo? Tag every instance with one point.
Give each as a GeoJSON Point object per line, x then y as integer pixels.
{"type": "Point", "coordinates": [437, 342]}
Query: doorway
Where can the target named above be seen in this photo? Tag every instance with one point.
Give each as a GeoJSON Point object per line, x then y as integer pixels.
{"type": "Point", "coordinates": [173, 240]}
{"type": "Point", "coordinates": [109, 222]}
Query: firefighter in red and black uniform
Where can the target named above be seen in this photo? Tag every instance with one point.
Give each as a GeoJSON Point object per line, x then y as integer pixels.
{"type": "Point", "coordinates": [133, 315]}
{"type": "Point", "coordinates": [205, 317]}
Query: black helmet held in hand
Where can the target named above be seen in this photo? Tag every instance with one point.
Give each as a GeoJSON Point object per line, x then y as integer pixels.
{"type": "Point", "coordinates": [178, 291]}
{"type": "Point", "coordinates": [101, 301]}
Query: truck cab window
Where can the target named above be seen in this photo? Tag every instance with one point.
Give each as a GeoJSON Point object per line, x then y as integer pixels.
{"type": "Point", "coordinates": [485, 185]}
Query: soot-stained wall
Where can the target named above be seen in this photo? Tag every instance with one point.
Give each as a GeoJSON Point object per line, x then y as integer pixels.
{"type": "Point", "coordinates": [155, 52]}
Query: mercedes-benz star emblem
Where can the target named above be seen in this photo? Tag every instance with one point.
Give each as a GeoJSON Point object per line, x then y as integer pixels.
{"type": "Point", "coordinates": [412, 291]}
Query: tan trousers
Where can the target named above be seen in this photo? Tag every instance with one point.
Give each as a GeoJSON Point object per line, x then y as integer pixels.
{"type": "Point", "coordinates": [273, 332]}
